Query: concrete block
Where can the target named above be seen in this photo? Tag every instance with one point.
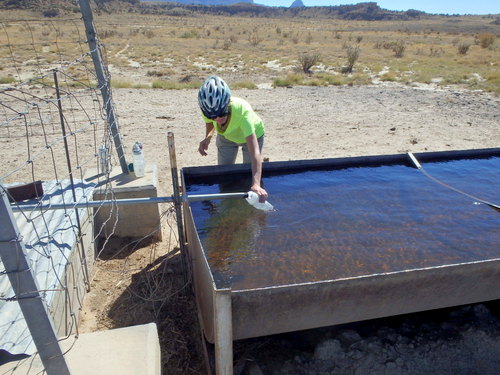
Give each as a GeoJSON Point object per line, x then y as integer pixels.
{"type": "Point", "coordinates": [124, 351]}
{"type": "Point", "coordinates": [131, 220]}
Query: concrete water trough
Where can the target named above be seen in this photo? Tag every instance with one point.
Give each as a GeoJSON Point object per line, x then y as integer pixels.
{"type": "Point", "coordinates": [350, 239]}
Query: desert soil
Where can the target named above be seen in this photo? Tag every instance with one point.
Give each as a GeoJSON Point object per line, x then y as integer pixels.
{"type": "Point", "coordinates": [301, 123]}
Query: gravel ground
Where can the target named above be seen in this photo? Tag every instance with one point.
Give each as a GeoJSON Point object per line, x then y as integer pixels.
{"type": "Point", "coordinates": [461, 340]}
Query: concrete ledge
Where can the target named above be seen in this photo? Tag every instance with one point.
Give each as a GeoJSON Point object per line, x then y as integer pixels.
{"type": "Point", "coordinates": [133, 220]}
{"type": "Point", "coordinates": [123, 351]}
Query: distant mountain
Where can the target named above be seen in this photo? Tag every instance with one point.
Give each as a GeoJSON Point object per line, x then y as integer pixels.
{"type": "Point", "coordinates": [297, 4]}
{"type": "Point", "coordinates": [209, 2]}
{"type": "Point", "coordinates": [368, 11]}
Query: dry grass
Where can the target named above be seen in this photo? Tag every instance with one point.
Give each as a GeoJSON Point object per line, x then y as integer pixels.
{"type": "Point", "coordinates": [238, 48]}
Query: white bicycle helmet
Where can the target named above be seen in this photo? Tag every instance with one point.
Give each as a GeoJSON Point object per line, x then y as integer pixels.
{"type": "Point", "coordinates": [213, 97]}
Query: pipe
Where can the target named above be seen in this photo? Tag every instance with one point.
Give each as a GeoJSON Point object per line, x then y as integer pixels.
{"type": "Point", "coordinates": [152, 200]}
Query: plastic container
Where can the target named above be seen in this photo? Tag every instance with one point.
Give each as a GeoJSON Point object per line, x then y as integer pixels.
{"type": "Point", "coordinates": [104, 159]}
{"type": "Point", "coordinates": [253, 199]}
{"type": "Point", "coordinates": [138, 155]}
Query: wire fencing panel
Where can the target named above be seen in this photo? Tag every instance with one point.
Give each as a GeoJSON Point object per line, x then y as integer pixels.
{"type": "Point", "coordinates": [53, 131]}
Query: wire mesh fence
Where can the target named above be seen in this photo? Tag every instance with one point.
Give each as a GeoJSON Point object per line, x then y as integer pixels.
{"type": "Point", "coordinates": [53, 131]}
{"type": "Point", "coordinates": [57, 148]}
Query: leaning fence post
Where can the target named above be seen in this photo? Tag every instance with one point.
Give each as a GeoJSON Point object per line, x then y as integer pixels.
{"type": "Point", "coordinates": [36, 315]}
{"type": "Point", "coordinates": [103, 82]}
{"type": "Point", "coordinates": [177, 204]}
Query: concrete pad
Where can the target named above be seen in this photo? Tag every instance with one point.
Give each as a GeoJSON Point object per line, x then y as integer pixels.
{"type": "Point", "coordinates": [123, 351]}
{"type": "Point", "coordinates": [133, 220]}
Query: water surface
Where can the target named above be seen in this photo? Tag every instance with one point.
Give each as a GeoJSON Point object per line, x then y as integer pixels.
{"type": "Point", "coordinates": [334, 224]}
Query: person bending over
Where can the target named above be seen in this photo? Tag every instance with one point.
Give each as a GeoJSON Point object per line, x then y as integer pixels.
{"type": "Point", "coordinates": [236, 125]}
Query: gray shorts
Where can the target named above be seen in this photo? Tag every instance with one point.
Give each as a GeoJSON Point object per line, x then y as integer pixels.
{"type": "Point", "coordinates": [228, 150]}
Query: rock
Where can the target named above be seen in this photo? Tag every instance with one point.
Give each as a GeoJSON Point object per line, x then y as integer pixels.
{"type": "Point", "coordinates": [328, 350]}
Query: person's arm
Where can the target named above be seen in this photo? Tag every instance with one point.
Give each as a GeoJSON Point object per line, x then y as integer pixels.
{"type": "Point", "coordinates": [256, 159]}
{"type": "Point", "coordinates": [210, 129]}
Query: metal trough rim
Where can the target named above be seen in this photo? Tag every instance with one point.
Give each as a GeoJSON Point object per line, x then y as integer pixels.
{"type": "Point", "coordinates": [344, 162]}
{"type": "Point", "coordinates": [371, 275]}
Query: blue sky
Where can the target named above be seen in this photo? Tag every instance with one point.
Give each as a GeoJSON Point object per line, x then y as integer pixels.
{"type": "Point", "coordinates": [429, 6]}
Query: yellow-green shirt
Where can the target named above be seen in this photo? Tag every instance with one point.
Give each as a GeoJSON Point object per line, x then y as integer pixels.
{"type": "Point", "coordinates": [242, 123]}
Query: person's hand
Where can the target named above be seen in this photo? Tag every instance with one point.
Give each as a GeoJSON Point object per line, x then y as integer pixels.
{"type": "Point", "coordinates": [202, 149]}
{"type": "Point", "coordinates": [262, 193]}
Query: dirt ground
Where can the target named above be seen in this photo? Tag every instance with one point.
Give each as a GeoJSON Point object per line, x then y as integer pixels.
{"type": "Point", "coordinates": [139, 282]}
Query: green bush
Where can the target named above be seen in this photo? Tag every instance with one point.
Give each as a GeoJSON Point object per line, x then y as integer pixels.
{"type": "Point", "coordinates": [7, 79]}
{"type": "Point", "coordinates": [289, 81]}
{"type": "Point", "coordinates": [244, 85]}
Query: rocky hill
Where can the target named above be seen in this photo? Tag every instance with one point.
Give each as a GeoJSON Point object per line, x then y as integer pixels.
{"type": "Point", "coordinates": [208, 2]}
{"type": "Point", "coordinates": [369, 11]}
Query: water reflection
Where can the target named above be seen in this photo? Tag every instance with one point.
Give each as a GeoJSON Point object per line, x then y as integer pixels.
{"type": "Point", "coordinates": [231, 231]}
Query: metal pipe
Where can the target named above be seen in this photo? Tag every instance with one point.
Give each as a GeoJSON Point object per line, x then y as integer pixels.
{"type": "Point", "coordinates": [119, 202]}
{"type": "Point", "coordinates": [414, 160]}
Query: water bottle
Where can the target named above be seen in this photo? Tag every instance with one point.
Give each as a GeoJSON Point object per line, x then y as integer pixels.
{"type": "Point", "coordinates": [138, 154]}
{"type": "Point", "coordinates": [253, 199]}
{"type": "Point", "coordinates": [104, 159]}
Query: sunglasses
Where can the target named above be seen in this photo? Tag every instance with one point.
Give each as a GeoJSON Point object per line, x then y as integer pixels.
{"type": "Point", "coordinates": [226, 112]}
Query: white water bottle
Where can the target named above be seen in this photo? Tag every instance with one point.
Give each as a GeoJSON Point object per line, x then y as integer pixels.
{"type": "Point", "coordinates": [104, 159]}
{"type": "Point", "coordinates": [253, 199]}
{"type": "Point", "coordinates": [138, 154]}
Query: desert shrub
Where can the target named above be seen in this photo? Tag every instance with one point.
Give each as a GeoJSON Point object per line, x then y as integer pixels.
{"type": "Point", "coordinates": [50, 13]}
{"type": "Point", "coordinates": [289, 80]}
{"type": "Point", "coordinates": [486, 39]}
{"type": "Point", "coordinates": [492, 82]}
{"type": "Point", "coordinates": [244, 85]}
{"type": "Point", "coordinates": [309, 38]}
{"type": "Point", "coordinates": [435, 51]}
{"type": "Point", "coordinates": [192, 34]}
{"type": "Point", "coordinates": [226, 44]}
{"type": "Point", "coordinates": [463, 48]}
{"type": "Point", "coordinates": [107, 33]}
{"type": "Point", "coordinates": [148, 33]}
{"type": "Point", "coordinates": [352, 56]}
{"type": "Point", "coordinates": [307, 61]}
{"type": "Point", "coordinates": [359, 39]}
{"type": "Point", "coordinates": [7, 79]}
{"type": "Point", "coordinates": [399, 49]}
{"type": "Point", "coordinates": [330, 79]}
{"type": "Point", "coordinates": [159, 73]}
{"type": "Point", "coordinates": [254, 39]}
{"type": "Point", "coordinates": [171, 85]}
{"type": "Point", "coordinates": [389, 77]}
{"type": "Point", "coordinates": [118, 84]}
